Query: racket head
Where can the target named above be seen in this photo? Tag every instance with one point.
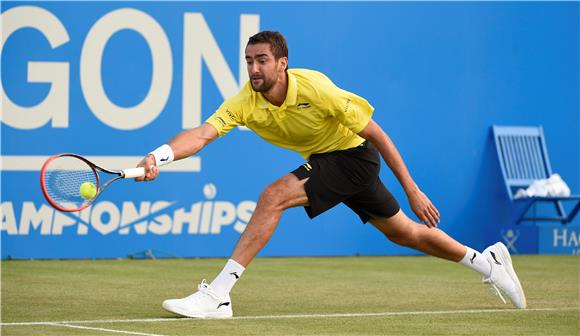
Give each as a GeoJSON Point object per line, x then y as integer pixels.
{"type": "Point", "coordinates": [61, 178]}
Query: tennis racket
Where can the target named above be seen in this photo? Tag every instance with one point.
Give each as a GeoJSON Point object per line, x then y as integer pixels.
{"type": "Point", "coordinates": [62, 175]}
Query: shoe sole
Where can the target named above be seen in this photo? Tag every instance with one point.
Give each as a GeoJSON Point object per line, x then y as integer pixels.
{"type": "Point", "coordinates": [505, 256]}
{"type": "Point", "coordinates": [180, 312]}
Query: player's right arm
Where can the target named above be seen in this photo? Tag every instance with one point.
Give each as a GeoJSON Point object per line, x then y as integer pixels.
{"type": "Point", "coordinates": [183, 145]}
{"type": "Point", "coordinates": [189, 142]}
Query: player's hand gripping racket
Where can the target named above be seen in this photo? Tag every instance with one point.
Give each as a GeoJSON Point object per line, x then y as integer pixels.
{"type": "Point", "coordinates": [71, 183]}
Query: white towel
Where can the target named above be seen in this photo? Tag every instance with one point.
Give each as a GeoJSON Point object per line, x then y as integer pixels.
{"type": "Point", "coordinates": [553, 186]}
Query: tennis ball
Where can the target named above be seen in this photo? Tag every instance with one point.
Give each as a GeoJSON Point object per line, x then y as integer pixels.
{"type": "Point", "coordinates": [88, 190]}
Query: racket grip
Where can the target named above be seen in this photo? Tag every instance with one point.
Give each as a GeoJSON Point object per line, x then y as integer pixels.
{"type": "Point", "coordinates": [133, 172]}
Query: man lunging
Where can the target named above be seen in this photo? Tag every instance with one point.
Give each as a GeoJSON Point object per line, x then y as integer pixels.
{"type": "Point", "coordinates": [302, 110]}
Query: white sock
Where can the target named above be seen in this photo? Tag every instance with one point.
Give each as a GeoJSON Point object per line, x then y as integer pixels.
{"type": "Point", "coordinates": [227, 278]}
{"type": "Point", "coordinates": [476, 261]}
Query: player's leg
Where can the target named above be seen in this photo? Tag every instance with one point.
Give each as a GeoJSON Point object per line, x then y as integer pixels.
{"type": "Point", "coordinates": [377, 205]}
{"type": "Point", "coordinates": [494, 263]}
{"type": "Point", "coordinates": [402, 230]}
{"type": "Point", "coordinates": [285, 193]}
{"type": "Point", "coordinates": [213, 300]}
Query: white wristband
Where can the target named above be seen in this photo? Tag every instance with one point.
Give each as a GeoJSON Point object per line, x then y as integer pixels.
{"type": "Point", "coordinates": [163, 155]}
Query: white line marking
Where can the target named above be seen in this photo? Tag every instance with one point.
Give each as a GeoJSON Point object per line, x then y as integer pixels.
{"type": "Point", "coordinates": [34, 163]}
{"type": "Point", "coordinates": [102, 329]}
{"type": "Point", "coordinates": [299, 316]}
{"type": "Point", "coordinates": [442, 312]}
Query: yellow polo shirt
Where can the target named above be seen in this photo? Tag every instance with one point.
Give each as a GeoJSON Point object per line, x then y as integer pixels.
{"type": "Point", "coordinates": [316, 117]}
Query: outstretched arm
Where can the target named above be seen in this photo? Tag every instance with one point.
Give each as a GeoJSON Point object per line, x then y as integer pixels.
{"type": "Point", "coordinates": [183, 145]}
{"type": "Point", "coordinates": [420, 204]}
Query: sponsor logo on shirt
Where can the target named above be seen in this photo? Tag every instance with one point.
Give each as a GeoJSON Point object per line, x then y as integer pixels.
{"type": "Point", "coordinates": [347, 105]}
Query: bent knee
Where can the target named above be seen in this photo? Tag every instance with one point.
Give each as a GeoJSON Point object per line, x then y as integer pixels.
{"type": "Point", "coordinates": [272, 196]}
{"type": "Point", "coordinates": [285, 193]}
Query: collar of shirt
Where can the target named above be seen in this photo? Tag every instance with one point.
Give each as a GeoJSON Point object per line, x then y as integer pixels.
{"type": "Point", "coordinates": [290, 100]}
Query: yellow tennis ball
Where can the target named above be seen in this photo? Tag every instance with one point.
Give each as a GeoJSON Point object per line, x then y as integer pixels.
{"type": "Point", "coordinates": [88, 190]}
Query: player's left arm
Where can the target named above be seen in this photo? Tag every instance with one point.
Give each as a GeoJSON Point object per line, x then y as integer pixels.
{"type": "Point", "coordinates": [420, 203]}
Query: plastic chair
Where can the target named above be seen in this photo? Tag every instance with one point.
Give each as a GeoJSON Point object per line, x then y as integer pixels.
{"type": "Point", "coordinates": [523, 158]}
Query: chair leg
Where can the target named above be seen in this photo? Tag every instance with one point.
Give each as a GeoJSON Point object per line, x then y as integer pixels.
{"type": "Point", "coordinates": [560, 209]}
{"type": "Point", "coordinates": [573, 213]}
{"type": "Point", "coordinates": [526, 208]}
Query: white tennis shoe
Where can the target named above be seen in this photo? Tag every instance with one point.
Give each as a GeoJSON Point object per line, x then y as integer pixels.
{"type": "Point", "coordinates": [204, 303]}
{"type": "Point", "coordinates": [503, 278]}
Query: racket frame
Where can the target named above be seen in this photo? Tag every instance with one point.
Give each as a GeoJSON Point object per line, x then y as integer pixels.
{"type": "Point", "coordinates": [119, 175]}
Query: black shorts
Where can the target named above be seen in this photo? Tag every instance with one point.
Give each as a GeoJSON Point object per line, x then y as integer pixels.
{"type": "Point", "coordinates": [349, 176]}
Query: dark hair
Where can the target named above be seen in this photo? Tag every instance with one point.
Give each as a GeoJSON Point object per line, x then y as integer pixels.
{"type": "Point", "coordinates": [276, 41]}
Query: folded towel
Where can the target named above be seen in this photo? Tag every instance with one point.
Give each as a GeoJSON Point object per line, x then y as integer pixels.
{"type": "Point", "coordinates": [552, 186]}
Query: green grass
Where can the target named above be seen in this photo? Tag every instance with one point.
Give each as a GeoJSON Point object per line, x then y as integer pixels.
{"type": "Point", "coordinates": [43, 291]}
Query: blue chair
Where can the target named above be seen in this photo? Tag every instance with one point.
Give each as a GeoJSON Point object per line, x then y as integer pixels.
{"type": "Point", "coordinates": [523, 158]}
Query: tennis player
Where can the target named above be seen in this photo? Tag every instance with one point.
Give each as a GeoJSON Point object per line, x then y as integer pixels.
{"type": "Point", "coordinates": [332, 129]}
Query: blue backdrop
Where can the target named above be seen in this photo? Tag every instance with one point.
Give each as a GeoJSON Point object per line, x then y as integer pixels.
{"type": "Point", "coordinates": [121, 78]}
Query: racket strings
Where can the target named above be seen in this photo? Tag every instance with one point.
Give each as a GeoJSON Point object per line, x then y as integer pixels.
{"type": "Point", "coordinates": [63, 179]}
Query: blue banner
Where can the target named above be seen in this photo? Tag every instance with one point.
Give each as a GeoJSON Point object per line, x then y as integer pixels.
{"type": "Point", "coordinates": [114, 80]}
{"type": "Point", "coordinates": [558, 239]}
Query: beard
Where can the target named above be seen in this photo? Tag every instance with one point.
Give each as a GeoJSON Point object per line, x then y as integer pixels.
{"type": "Point", "coordinates": [264, 86]}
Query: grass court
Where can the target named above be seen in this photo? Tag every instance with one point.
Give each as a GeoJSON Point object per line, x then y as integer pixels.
{"type": "Point", "coordinates": [288, 296]}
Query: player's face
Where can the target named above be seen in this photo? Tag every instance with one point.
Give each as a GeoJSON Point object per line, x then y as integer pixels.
{"type": "Point", "coordinates": [263, 69]}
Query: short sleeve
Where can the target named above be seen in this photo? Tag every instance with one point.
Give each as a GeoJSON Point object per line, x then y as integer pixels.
{"type": "Point", "coordinates": [352, 111]}
{"type": "Point", "coordinates": [225, 119]}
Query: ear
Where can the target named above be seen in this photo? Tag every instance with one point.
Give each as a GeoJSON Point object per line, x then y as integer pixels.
{"type": "Point", "coordinates": [282, 64]}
